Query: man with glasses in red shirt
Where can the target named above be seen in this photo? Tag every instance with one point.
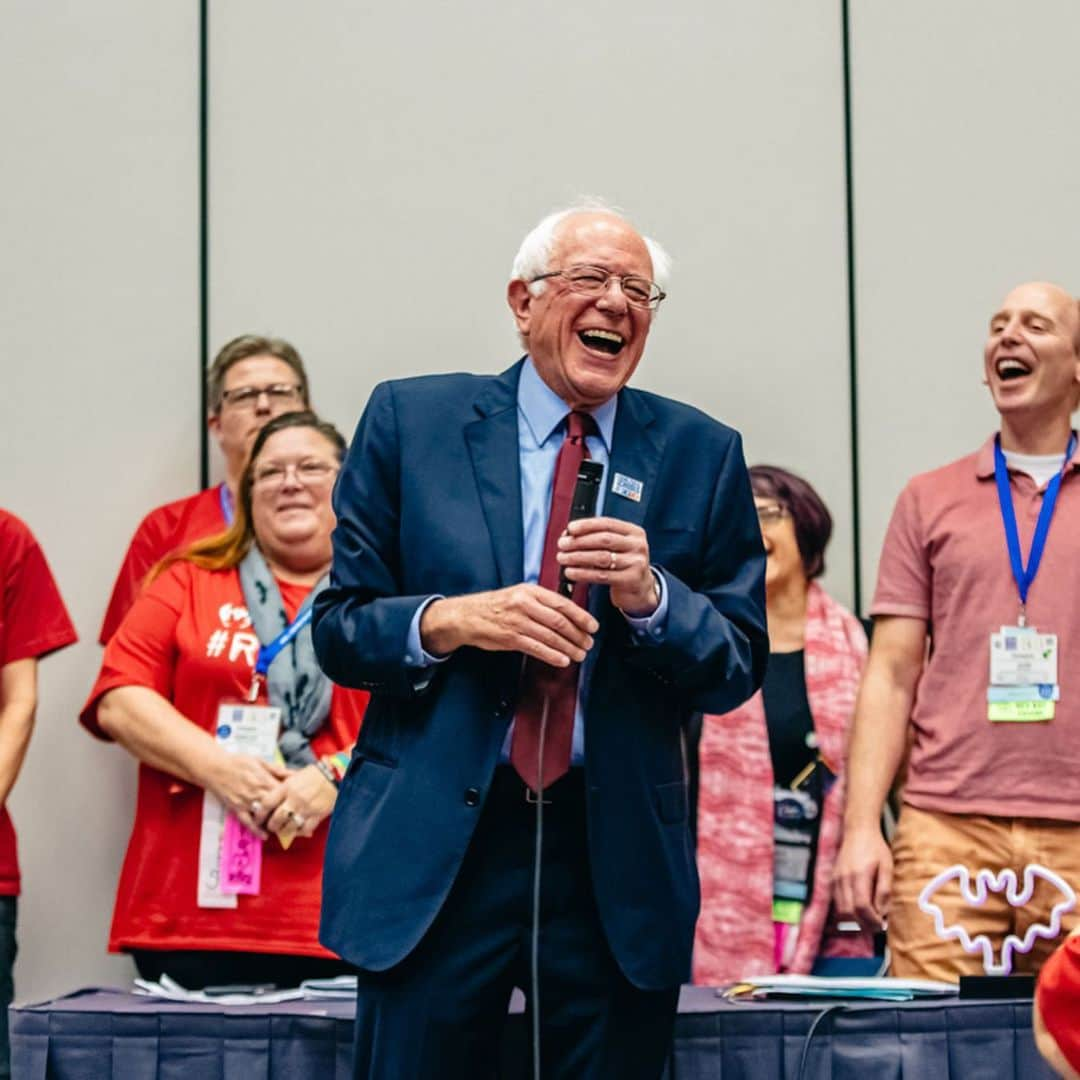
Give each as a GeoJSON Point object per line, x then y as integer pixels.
{"type": "Point", "coordinates": [251, 380]}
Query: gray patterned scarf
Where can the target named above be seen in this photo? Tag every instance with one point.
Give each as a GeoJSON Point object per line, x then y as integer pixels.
{"type": "Point", "coordinates": [295, 683]}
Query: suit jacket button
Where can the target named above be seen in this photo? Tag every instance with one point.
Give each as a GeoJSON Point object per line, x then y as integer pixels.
{"type": "Point", "coordinates": [472, 796]}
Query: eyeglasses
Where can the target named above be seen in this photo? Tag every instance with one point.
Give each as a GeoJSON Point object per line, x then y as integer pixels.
{"type": "Point", "coordinates": [279, 395]}
{"type": "Point", "coordinates": [772, 513]}
{"type": "Point", "coordinates": [308, 473]}
{"type": "Point", "coordinates": [593, 281]}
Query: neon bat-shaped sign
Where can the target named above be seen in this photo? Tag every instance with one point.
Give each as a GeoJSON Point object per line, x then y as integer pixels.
{"type": "Point", "coordinates": [986, 881]}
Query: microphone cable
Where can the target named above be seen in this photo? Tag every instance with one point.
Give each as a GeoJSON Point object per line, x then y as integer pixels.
{"type": "Point", "coordinates": [534, 943]}
{"type": "Point", "coordinates": [582, 504]}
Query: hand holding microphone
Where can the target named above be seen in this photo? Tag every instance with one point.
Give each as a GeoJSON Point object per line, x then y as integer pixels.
{"type": "Point", "coordinates": [546, 625]}
{"type": "Point", "coordinates": [607, 551]}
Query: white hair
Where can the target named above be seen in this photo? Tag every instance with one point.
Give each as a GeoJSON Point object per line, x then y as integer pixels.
{"type": "Point", "coordinates": [534, 255]}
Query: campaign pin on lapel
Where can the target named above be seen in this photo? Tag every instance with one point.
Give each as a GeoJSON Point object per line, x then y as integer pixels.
{"type": "Point", "coordinates": [627, 487]}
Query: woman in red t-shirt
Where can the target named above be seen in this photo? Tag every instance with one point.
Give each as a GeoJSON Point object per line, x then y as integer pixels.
{"type": "Point", "coordinates": [189, 645]}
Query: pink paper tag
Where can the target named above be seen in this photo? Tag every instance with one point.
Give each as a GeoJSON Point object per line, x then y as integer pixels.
{"type": "Point", "coordinates": [241, 859]}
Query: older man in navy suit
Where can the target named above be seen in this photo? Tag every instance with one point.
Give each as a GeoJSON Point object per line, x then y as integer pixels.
{"type": "Point", "coordinates": [515, 655]}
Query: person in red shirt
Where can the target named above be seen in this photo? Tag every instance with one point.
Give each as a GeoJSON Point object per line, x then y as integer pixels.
{"type": "Point", "coordinates": [189, 644]}
{"type": "Point", "coordinates": [1056, 1018]}
{"type": "Point", "coordinates": [33, 623]}
{"type": "Point", "coordinates": [252, 379]}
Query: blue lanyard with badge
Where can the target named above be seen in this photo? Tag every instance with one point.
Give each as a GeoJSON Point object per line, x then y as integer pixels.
{"type": "Point", "coordinates": [797, 811]}
{"type": "Point", "coordinates": [230, 858]}
{"type": "Point", "coordinates": [1024, 663]}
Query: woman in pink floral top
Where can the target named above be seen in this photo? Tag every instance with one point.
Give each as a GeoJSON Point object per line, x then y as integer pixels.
{"type": "Point", "coordinates": [770, 799]}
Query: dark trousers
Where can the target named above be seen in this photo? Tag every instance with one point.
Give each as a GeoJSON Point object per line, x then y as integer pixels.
{"type": "Point", "coordinates": [441, 1011]}
{"type": "Point", "coordinates": [195, 969]}
{"type": "Point", "coordinates": [8, 910]}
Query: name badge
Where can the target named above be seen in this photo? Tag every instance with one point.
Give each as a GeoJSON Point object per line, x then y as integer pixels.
{"type": "Point", "coordinates": [231, 864]}
{"type": "Point", "coordinates": [795, 816]}
{"type": "Point", "coordinates": [1020, 656]}
{"type": "Point", "coordinates": [1023, 676]}
{"type": "Point", "coordinates": [627, 487]}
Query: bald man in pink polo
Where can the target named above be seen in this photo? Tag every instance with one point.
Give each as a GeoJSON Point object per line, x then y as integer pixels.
{"type": "Point", "coordinates": [976, 661]}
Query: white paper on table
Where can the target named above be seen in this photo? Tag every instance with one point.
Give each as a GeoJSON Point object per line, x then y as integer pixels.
{"type": "Point", "coordinates": [171, 990]}
{"type": "Point", "coordinates": [810, 985]}
{"type": "Point", "coordinates": [341, 988]}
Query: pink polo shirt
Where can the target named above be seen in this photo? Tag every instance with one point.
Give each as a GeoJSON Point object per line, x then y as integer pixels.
{"type": "Point", "coordinates": [945, 561]}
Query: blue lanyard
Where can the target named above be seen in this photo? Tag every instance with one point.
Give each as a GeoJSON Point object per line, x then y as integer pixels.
{"type": "Point", "coordinates": [225, 497]}
{"type": "Point", "coordinates": [1024, 576]}
{"type": "Point", "coordinates": [267, 653]}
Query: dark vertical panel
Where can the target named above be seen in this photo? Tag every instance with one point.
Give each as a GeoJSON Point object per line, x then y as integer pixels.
{"type": "Point", "coordinates": [204, 240]}
{"type": "Point", "coordinates": [853, 370]}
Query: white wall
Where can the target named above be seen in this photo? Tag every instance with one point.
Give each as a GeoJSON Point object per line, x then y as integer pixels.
{"type": "Point", "coordinates": [375, 167]}
{"type": "Point", "coordinates": [966, 183]}
{"type": "Point", "coordinates": [98, 335]}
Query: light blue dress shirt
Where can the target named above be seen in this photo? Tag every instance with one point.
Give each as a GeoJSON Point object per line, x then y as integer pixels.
{"type": "Point", "coordinates": [541, 416]}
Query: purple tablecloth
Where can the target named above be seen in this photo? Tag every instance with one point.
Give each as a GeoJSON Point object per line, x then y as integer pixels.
{"type": "Point", "coordinates": [101, 1034]}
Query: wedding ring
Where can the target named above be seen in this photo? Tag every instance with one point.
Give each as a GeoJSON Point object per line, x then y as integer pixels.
{"type": "Point", "coordinates": [256, 806]}
{"type": "Point", "coordinates": [611, 565]}
{"type": "Point", "coordinates": [297, 819]}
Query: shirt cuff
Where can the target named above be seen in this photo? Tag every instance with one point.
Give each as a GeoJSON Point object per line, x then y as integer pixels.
{"type": "Point", "coordinates": [415, 654]}
{"type": "Point", "coordinates": [652, 627]}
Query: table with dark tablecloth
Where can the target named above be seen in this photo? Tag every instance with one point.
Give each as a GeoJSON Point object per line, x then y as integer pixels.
{"type": "Point", "coordinates": [103, 1034]}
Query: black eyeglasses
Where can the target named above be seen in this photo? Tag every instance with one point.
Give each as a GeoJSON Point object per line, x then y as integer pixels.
{"type": "Point", "coordinates": [593, 281]}
{"type": "Point", "coordinates": [280, 395]}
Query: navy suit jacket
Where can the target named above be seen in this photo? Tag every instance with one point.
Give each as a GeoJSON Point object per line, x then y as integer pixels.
{"type": "Point", "coordinates": [429, 501]}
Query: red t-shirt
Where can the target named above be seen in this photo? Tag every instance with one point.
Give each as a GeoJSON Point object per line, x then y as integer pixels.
{"type": "Point", "coordinates": [160, 533]}
{"type": "Point", "coordinates": [33, 623]}
{"type": "Point", "coordinates": [1059, 999]}
{"type": "Point", "coordinates": [189, 638]}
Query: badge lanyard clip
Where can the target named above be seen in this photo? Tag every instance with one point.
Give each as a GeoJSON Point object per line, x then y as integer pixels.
{"type": "Point", "coordinates": [804, 774]}
{"type": "Point", "coordinates": [819, 763]}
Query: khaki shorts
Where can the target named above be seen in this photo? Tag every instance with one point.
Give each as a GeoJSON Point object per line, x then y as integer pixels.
{"type": "Point", "coordinates": [928, 842]}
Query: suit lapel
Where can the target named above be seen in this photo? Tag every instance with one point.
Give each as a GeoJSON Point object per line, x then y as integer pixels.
{"type": "Point", "coordinates": [493, 445]}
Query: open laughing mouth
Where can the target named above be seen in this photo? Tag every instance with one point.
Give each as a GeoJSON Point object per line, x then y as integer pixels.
{"type": "Point", "coordinates": [602, 341]}
{"type": "Point", "coordinates": [1010, 368]}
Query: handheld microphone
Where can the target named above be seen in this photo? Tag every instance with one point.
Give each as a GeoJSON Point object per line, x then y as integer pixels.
{"type": "Point", "coordinates": [582, 505]}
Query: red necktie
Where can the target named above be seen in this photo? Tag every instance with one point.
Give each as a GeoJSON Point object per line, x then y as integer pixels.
{"type": "Point", "coordinates": [538, 680]}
